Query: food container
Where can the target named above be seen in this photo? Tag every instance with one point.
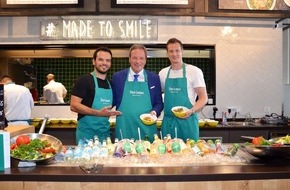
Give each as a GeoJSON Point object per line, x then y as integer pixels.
{"type": "Point", "coordinates": [54, 120]}
{"type": "Point", "coordinates": [179, 111]}
{"type": "Point", "coordinates": [65, 121]}
{"type": "Point", "coordinates": [201, 123]}
{"type": "Point", "coordinates": [148, 119]}
{"type": "Point", "coordinates": [55, 143]}
{"type": "Point", "coordinates": [158, 123]}
{"type": "Point", "coordinates": [34, 123]}
{"type": "Point", "coordinates": [212, 123]}
{"type": "Point", "coordinates": [268, 152]}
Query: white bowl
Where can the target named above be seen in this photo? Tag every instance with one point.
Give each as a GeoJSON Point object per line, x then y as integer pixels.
{"type": "Point", "coordinates": [179, 111]}
{"type": "Point", "coordinates": [148, 119]}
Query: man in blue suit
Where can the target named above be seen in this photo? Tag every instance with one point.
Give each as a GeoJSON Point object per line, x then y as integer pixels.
{"type": "Point", "coordinates": [136, 91]}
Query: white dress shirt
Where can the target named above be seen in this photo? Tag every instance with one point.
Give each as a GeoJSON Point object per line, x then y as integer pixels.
{"type": "Point", "coordinates": [141, 77]}
{"type": "Point", "coordinates": [18, 103]}
{"type": "Point", "coordinates": [54, 92]}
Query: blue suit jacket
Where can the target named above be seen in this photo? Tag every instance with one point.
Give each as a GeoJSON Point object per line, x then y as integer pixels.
{"type": "Point", "coordinates": [118, 84]}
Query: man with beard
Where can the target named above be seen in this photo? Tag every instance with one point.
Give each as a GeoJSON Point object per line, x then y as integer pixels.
{"type": "Point", "coordinates": [92, 99]}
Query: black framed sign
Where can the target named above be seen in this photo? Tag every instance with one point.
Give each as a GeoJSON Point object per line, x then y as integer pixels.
{"type": "Point", "coordinates": [255, 5]}
{"type": "Point", "coordinates": [152, 3]}
{"type": "Point", "coordinates": [41, 3]}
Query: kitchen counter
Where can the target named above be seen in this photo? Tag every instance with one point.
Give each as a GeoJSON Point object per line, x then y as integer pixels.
{"type": "Point", "coordinates": [242, 176]}
{"type": "Point", "coordinates": [19, 129]}
{"type": "Point", "coordinates": [229, 134]}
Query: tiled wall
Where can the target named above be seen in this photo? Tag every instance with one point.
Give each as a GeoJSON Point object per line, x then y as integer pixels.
{"type": "Point", "coordinates": [67, 70]}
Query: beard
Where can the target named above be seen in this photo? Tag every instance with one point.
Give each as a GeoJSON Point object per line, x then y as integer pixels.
{"type": "Point", "coordinates": [102, 71]}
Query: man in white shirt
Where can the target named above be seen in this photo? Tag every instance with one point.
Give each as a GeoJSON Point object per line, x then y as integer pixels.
{"type": "Point", "coordinates": [54, 92]}
{"type": "Point", "coordinates": [18, 102]}
{"type": "Point", "coordinates": [181, 83]}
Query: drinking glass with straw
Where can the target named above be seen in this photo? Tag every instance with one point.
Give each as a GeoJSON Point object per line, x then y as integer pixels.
{"type": "Point", "coordinates": [139, 146]}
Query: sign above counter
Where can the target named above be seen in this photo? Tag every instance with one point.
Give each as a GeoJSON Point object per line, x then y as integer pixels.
{"type": "Point", "coordinates": [153, 3]}
{"type": "Point", "coordinates": [99, 29]}
{"type": "Point", "coordinates": [262, 5]}
{"type": "Point", "coordinates": [40, 3]}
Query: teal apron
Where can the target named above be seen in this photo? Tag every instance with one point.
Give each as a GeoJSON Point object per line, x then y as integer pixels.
{"type": "Point", "coordinates": [135, 101]}
{"type": "Point", "coordinates": [175, 94]}
{"type": "Point", "coordinates": [89, 125]}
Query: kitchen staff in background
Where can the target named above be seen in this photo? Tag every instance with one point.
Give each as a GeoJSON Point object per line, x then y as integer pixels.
{"type": "Point", "coordinates": [182, 85]}
{"type": "Point", "coordinates": [92, 99]}
{"type": "Point", "coordinates": [136, 91]}
{"type": "Point", "coordinates": [18, 102]}
{"type": "Point", "coordinates": [54, 92]}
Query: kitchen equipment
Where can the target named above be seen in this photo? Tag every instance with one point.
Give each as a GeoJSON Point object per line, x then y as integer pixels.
{"type": "Point", "coordinates": [267, 151]}
{"type": "Point", "coordinates": [55, 143]}
{"type": "Point", "coordinates": [274, 119]}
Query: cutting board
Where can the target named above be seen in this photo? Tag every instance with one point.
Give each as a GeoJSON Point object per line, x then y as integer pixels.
{"type": "Point", "coordinates": [19, 129]}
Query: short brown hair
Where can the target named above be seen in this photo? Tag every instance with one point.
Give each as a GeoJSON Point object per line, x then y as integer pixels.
{"type": "Point", "coordinates": [174, 41]}
{"type": "Point", "coordinates": [105, 49]}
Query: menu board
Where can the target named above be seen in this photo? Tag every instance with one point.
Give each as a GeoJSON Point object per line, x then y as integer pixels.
{"type": "Point", "coordinates": [153, 3]}
{"type": "Point", "coordinates": [40, 3]}
{"type": "Point", "coordinates": [258, 5]}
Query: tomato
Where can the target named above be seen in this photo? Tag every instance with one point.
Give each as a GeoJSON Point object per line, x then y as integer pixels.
{"type": "Point", "coordinates": [12, 146]}
{"type": "Point", "coordinates": [48, 150]}
{"type": "Point", "coordinates": [22, 139]}
{"type": "Point", "coordinates": [258, 140]}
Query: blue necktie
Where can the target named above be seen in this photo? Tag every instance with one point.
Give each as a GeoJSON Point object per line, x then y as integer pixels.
{"type": "Point", "coordinates": [136, 78]}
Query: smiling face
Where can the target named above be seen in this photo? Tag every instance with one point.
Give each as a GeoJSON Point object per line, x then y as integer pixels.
{"type": "Point", "coordinates": [137, 59]}
{"type": "Point", "coordinates": [174, 53]}
{"type": "Point", "coordinates": [102, 63]}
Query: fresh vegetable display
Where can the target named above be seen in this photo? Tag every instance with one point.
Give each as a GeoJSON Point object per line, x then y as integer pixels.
{"type": "Point", "coordinates": [25, 148]}
{"type": "Point", "coordinates": [22, 139]}
{"type": "Point", "coordinates": [279, 141]}
{"type": "Point", "coordinates": [269, 149]}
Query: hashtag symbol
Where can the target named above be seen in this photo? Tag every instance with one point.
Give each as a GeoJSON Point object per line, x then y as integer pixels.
{"type": "Point", "coordinates": [50, 30]}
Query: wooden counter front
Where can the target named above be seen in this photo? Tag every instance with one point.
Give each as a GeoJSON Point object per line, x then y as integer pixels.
{"type": "Point", "coordinates": [259, 176]}
{"type": "Point", "coordinates": [20, 129]}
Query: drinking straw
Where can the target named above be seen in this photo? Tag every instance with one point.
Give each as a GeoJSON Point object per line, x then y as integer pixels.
{"type": "Point", "coordinates": [175, 132]}
{"type": "Point", "coordinates": [160, 135]}
{"type": "Point", "coordinates": [139, 133]}
{"type": "Point", "coordinates": [121, 134]}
